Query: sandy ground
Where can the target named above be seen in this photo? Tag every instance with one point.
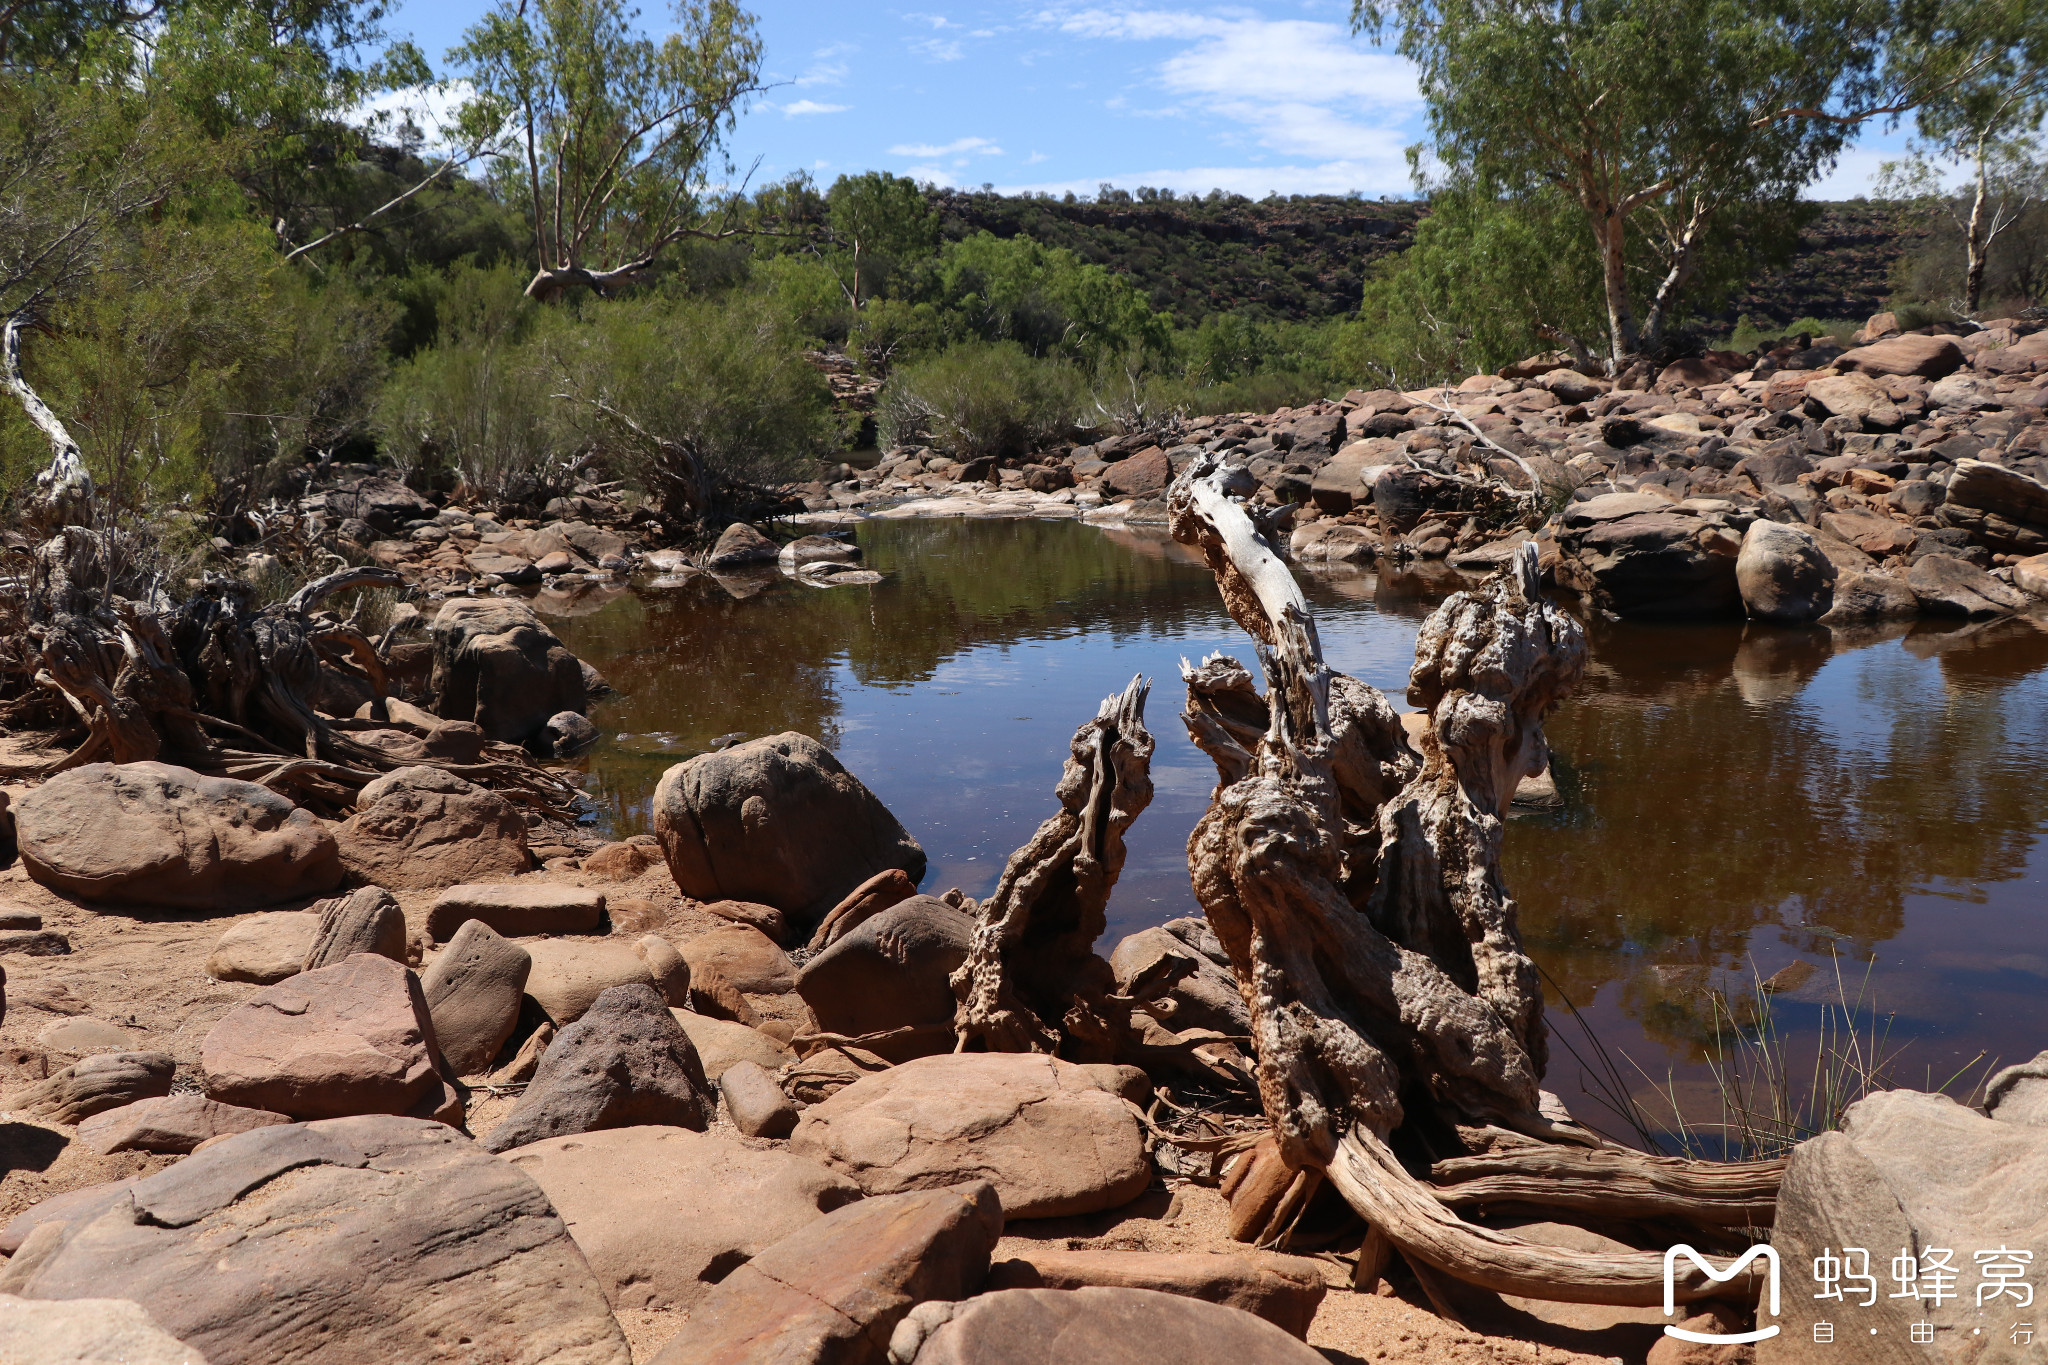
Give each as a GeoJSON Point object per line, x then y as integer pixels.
{"type": "Point", "coordinates": [144, 974]}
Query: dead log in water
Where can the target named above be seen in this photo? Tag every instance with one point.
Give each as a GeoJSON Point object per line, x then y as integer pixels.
{"type": "Point", "coordinates": [1357, 892]}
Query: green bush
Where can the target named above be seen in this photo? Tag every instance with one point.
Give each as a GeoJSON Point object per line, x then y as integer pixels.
{"type": "Point", "coordinates": [983, 398]}
{"type": "Point", "coordinates": [696, 400]}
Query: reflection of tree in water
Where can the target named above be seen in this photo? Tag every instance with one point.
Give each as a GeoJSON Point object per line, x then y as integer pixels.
{"type": "Point", "coordinates": [1724, 788]}
{"type": "Point", "coordinates": [693, 663]}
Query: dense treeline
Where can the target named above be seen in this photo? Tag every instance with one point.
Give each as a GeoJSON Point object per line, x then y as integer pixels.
{"type": "Point", "coordinates": [217, 268]}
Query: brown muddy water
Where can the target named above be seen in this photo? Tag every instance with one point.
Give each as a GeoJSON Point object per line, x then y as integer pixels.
{"type": "Point", "coordinates": [1737, 799]}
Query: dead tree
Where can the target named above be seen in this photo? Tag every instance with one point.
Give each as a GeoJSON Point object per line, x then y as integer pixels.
{"type": "Point", "coordinates": [218, 684]}
{"type": "Point", "coordinates": [1357, 891]}
{"type": "Point", "coordinates": [1032, 981]}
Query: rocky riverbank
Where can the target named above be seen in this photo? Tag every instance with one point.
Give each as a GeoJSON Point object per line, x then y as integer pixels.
{"type": "Point", "coordinates": [1909, 476]}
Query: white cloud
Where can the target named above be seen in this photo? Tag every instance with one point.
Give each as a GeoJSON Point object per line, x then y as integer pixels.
{"type": "Point", "coordinates": [980, 146]}
{"type": "Point", "coordinates": [430, 108]}
{"type": "Point", "coordinates": [935, 20]}
{"type": "Point", "coordinates": [938, 49]}
{"type": "Point", "coordinates": [1338, 97]}
{"type": "Point", "coordinates": [1035, 158]}
{"type": "Point", "coordinates": [801, 107]}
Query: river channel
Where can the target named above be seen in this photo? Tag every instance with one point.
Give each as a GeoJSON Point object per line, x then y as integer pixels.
{"type": "Point", "coordinates": [1736, 799]}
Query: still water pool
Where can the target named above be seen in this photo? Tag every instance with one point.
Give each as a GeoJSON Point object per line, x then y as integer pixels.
{"type": "Point", "coordinates": [1738, 800]}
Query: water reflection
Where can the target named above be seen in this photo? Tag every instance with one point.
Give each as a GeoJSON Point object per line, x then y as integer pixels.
{"type": "Point", "coordinates": [1738, 799]}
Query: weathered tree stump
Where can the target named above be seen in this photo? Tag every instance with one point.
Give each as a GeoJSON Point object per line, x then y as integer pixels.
{"type": "Point", "coordinates": [1032, 980]}
{"type": "Point", "coordinates": [1357, 892]}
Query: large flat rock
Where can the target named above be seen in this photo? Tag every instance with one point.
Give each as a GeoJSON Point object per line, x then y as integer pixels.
{"type": "Point", "coordinates": [360, 1241]}
{"type": "Point", "coordinates": [664, 1214]}
{"type": "Point", "coordinates": [836, 1289]}
{"type": "Point", "coordinates": [1054, 1138]}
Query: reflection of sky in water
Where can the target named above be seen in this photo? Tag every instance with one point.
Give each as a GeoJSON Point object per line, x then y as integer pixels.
{"type": "Point", "coordinates": [1740, 800]}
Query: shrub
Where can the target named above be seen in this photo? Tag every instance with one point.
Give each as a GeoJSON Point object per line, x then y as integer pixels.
{"type": "Point", "coordinates": [983, 398]}
{"type": "Point", "coordinates": [698, 401]}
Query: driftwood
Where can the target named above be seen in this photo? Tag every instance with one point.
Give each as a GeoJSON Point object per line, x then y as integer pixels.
{"type": "Point", "coordinates": [1357, 892]}
{"type": "Point", "coordinates": [1032, 979]}
{"type": "Point", "coordinates": [216, 684]}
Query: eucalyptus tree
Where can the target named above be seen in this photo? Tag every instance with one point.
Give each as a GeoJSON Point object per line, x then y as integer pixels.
{"type": "Point", "coordinates": [618, 139]}
{"type": "Point", "coordinates": [1657, 117]}
{"type": "Point", "coordinates": [1990, 122]}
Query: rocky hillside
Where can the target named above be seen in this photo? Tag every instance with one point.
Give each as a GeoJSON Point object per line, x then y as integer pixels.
{"type": "Point", "coordinates": [1305, 257]}
{"type": "Point", "coordinates": [1296, 258]}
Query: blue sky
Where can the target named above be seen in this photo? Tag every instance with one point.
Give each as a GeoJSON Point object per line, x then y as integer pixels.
{"type": "Point", "coordinates": [1249, 97]}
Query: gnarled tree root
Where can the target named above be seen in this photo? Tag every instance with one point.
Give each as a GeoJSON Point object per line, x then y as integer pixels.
{"type": "Point", "coordinates": [1357, 892]}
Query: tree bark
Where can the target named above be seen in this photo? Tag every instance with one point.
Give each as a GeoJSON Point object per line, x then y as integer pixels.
{"type": "Point", "coordinates": [1357, 892]}
{"type": "Point", "coordinates": [66, 484]}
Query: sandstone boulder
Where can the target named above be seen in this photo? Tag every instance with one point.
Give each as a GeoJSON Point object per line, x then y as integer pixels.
{"type": "Point", "coordinates": [1333, 542]}
{"type": "Point", "coordinates": [1994, 488]}
{"type": "Point", "coordinates": [2031, 575]}
{"type": "Point", "coordinates": [1927, 357]}
{"type": "Point", "coordinates": [264, 948]}
{"type": "Point", "coordinates": [1054, 1137]}
{"type": "Point", "coordinates": [86, 1332]}
{"type": "Point", "coordinates": [497, 665]}
{"type": "Point", "coordinates": [755, 1103]}
{"type": "Point", "coordinates": [95, 1085]}
{"type": "Point", "coordinates": [473, 989]}
{"type": "Point", "coordinates": [664, 1214]}
{"type": "Point", "coordinates": [835, 1289]}
{"type": "Point", "coordinates": [170, 1123]}
{"type": "Point", "coordinates": [423, 1240]}
{"type": "Point", "coordinates": [625, 1062]}
{"type": "Point", "coordinates": [1861, 596]}
{"type": "Point", "coordinates": [1947, 586]}
{"type": "Point", "coordinates": [349, 1039]}
{"type": "Point", "coordinates": [892, 972]}
{"type": "Point", "coordinates": [891, 886]}
{"type": "Point", "coordinates": [152, 834]}
{"type": "Point", "coordinates": [569, 974]}
{"type": "Point", "coordinates": [516, 909]}
{"type": "Point", "coordinates": [1784, 575]}
{"type": "Point", "coordinates": [1184, 956]}
{"type": "Point", "coordinates": [1639, 556]}
{"type": "Point", "coordinates": [1101, 1326]}
{"type": "Point", "coordinates": [740, 545]}
{"type": "Point", "coordinates": [622, 862]}
{"type": "Point", "coordinates": [1138, 476]}
{"type": "Point", "coordinates": [386, 504]}
{"type": "Point", "coordinates": [1909, 1172]}
{"type": "Point", "coordinates": [367, 920]}
{"type": "Point", "coordinates": [742, 955]}
{"type": "Point", "coordinates": [419, 828]}
{"type": "Point", "coordinates": [776, 820]}
{"type": "Point", "coordinates": [1284, 1290]}
{"type": "Point", "coordinates": [720, 1043]}
{"type": "Point", "coordinates": [1846, 395]}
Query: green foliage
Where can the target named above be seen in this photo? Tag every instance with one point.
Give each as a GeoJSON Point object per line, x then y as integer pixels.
{"type": "Point", "coordinates": [620, 134]}
{"type": "Point", "coordinates": [1294, 258]}
{"type": "Point", "coordinates": [1045, 299]}
{"type": "Point", "coordinates": [693, 399]}
{"type": "Point", "coordinates": [881, 226]}
{"type": "Point", "coordinates": [1694, 122]}
{"type": "Point", "coordinates": [475, 405]}
{"type": "Point", "coordinates": [984, 398]}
